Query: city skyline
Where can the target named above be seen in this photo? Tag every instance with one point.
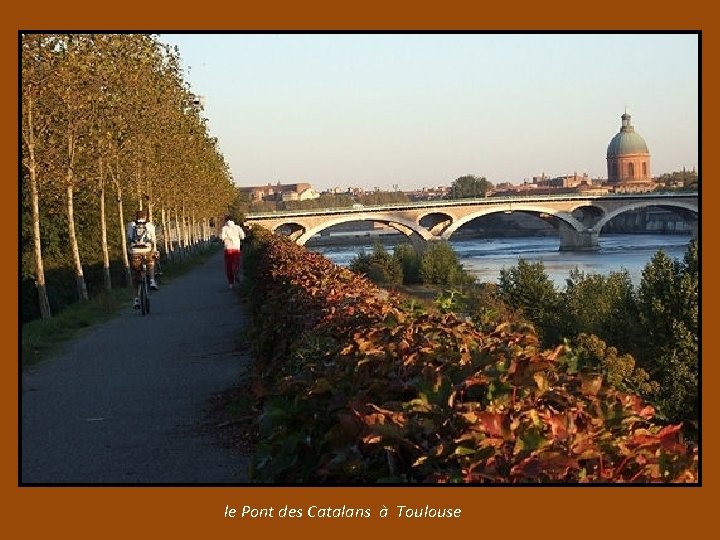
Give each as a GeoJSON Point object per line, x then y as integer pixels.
{"type": "Point", "coordinates": [422, 109]}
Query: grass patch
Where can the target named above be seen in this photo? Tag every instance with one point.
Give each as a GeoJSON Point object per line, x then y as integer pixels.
{"type": "Point", "coordinates": [42, 338]}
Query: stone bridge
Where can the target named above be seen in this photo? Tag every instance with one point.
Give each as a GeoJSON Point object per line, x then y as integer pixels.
{"type": "Point", "coordinates": [579, 219]}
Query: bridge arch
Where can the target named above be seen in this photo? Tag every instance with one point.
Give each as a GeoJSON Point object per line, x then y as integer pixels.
{"type": "Point", "coordinates": [435, 221]}
{"type": "Point", "coordinates": [565, 217]}
{"type": "Point", "coordinates": [417, 235]}
{"type": "Point", "coordinates": [597, 228]}
{"type": "Point", "coordinates": [290, 229]}
{"type": "Point", "coordinates": [588, 213]}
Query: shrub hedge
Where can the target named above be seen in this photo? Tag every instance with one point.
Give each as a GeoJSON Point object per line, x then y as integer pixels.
{"type": "Point", "coordinates": [352, 388]}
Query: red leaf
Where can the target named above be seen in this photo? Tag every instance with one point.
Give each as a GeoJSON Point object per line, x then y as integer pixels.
{"type": "Point", "coordinates": [492, 423]}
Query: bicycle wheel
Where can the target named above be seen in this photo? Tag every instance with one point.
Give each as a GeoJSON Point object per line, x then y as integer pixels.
{"type": "Point", "coordinates": [144, 298]}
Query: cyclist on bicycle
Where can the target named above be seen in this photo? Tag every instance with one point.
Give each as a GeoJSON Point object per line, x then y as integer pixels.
{"type": "Point", "coordinates": [142, 243]}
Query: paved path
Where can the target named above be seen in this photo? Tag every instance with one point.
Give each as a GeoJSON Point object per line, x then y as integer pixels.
{"type": "Point", "coordinates": [123, 404]}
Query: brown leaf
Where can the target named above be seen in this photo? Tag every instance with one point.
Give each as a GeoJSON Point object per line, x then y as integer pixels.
{"type": "Point", "coordinates": [591, 383]}
{"type": "Point", "coordinates": [492, 423]}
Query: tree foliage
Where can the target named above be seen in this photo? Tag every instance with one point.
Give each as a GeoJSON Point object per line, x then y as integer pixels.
{"type": "Point", "coordinates": [644, 341]}
{"type": "Point", "coordinates": [379, 266]}
{"type": "Point", "coordinates": [667, 300]}
{"type": "Point", "coordinates": [410, 261]}
{"type": "Point", "coordinates": [439, 265]}
{"type": "Point", "coordinates": [469, 186]}
{"type": "Point", "coordinates": [106, 115]}
{"type": "Point", "coordinates": [589, 354]}
{"type": "Point", "coordinates": [602, 305]}
{"type": "Point", "coordinates": [383, 197]}
{"type": "Point", "coordinates": [652, 333]}
{"type": "Point", "coordinates": [526, 287]}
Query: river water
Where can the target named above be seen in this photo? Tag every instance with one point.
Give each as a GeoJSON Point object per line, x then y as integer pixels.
{"type": "Point", "coordinates": [484, 258]}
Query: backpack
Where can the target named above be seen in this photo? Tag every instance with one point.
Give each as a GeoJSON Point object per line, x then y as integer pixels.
{"type": "Point", "coordinates": [140, 234]}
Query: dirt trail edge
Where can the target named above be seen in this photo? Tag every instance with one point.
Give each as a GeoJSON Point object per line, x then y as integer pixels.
{"type": "Point", "coordinates": [123, 404]}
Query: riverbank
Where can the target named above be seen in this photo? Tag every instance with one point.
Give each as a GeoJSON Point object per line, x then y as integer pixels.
{"type": "Point", "coordinates": [485, 258]}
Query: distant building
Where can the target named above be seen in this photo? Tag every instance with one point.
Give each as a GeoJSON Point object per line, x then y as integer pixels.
{"type": "Point", "coordinates": [305, 195]}
{"type": "Point", "coordinates": [569, 181]}
{"type": "Point", "coordinates": [279, 192]}
{"type": "Point", "coordinates": [428, 194]}
{"type": "Point", "coordinates": [588, 188]}
{"type": "Point", "coordinates": [628, 160]}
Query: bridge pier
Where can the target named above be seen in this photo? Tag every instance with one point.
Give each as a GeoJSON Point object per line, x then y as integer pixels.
{"type": "Point", "coordinates": [415, 239]}
{"type": "Point", "coordinates": [573, 240]}
{"type": "Point", "coordinates": [295, 235]}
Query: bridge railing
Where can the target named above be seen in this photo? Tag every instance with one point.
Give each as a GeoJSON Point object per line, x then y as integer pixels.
{"type": "Point", "coordinates": [466, 202]}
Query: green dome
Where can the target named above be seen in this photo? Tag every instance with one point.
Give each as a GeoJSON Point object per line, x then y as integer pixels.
{"type": "Point", "coordinates": [627, 141]}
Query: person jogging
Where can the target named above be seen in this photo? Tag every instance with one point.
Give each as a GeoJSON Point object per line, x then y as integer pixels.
{"type": "Point", "coordinates": [232, 236]}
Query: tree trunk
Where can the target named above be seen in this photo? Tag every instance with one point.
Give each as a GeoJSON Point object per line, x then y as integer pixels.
{"type": "Point", "coordinates": [186, 239]}
{"type": "Point", "coordinates": [180, 220]}
{"type": "Point", "coordinates": [178, 234]}
{"type": "Point", "coordinates": [37, 248]}
{"type": "Point", "coordinates": [166, 230]}
{"type": "Point", "coordinates": [137, 185]}
{"type": "Point", "coordinates": [39, 267]}
{"type": "Point", "coordinates": [123, 234]}
{"type": "Point", "coordinates": [79, 278]}
{"type": "Point", "coordinates": [148, 194]}
{"type": "Point", "coordinates": [103, 230]}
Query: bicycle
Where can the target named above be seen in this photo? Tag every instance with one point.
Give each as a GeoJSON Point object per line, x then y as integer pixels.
{"type": "Point", "coordinates": [143, 290]}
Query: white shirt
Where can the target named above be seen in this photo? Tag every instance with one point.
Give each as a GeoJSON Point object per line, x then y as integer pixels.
{"type": "Point", "coordinates": [149, 227]}
{"type": "Point", "coordinates": [232, 236]}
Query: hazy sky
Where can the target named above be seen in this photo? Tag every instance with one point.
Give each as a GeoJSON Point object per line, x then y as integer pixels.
{"type": "Point", "coordinates": [374, 110]}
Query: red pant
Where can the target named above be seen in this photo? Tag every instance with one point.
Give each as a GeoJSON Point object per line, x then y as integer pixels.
{"type": "Point", "coordinates": [232, 264]}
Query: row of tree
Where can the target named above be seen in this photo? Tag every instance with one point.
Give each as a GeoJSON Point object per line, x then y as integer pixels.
{"type": "Point", "coordinates": [108, 123]}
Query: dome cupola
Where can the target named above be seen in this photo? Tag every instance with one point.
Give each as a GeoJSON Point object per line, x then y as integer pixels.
{"type": "Point", "coordinates": [628, 158]}
{"type": "Point", "coordinates": [627, 141]}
